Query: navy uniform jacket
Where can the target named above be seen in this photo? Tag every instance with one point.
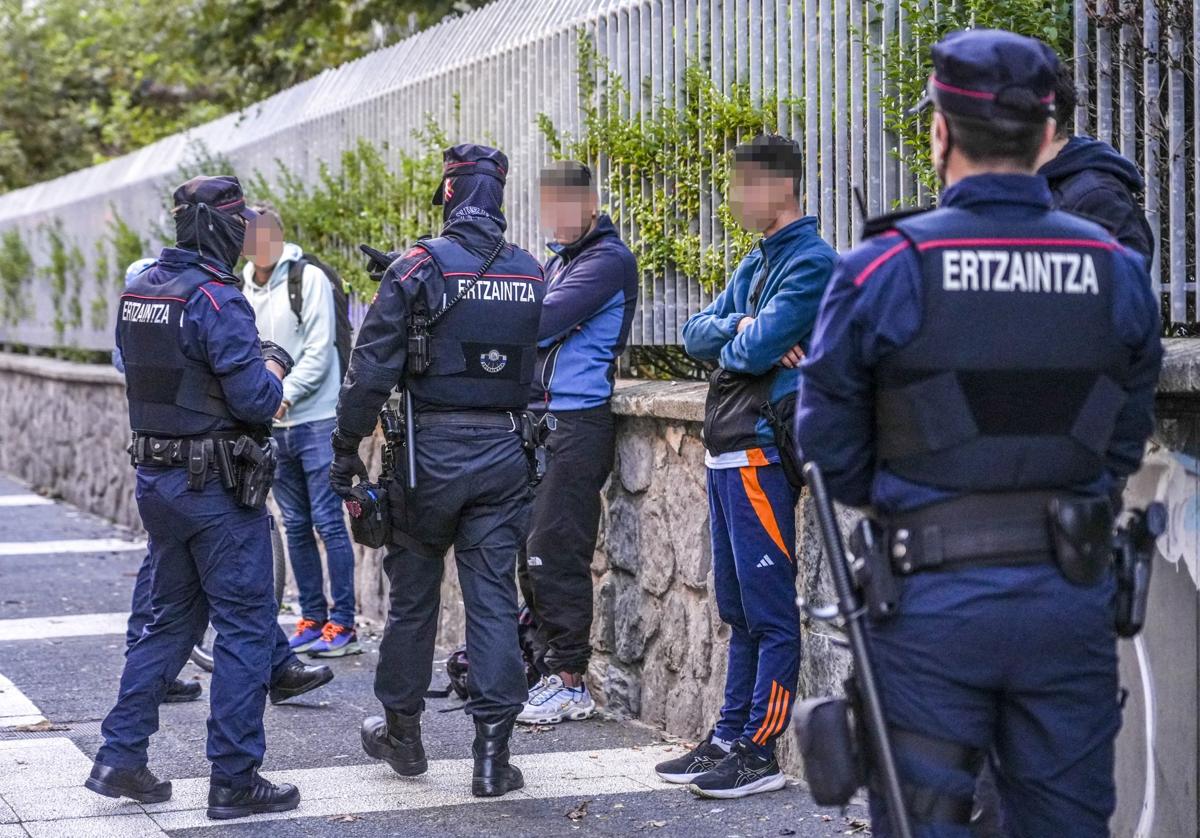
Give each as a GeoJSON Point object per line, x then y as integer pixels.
{"type": "Point", "coordinates": [218, 330]}
{"type": "Point", "coordinates": [873, 306]}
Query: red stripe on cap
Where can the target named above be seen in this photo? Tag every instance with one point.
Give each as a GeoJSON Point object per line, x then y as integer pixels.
{"type": "Point", "coordinates": [230, 204]}
{"type": "Point", "coordinates": [962, 91]}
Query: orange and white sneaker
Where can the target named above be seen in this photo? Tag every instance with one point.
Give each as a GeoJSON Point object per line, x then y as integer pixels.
{"type": "Point", "coordinates": [336, 641]}
{"type": "Point", "coordinates": [307, 633]}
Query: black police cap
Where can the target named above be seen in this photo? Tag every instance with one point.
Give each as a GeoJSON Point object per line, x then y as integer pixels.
{"type": "Point", "coordinates": [220, 192]}
{"type": "Point", "coordinates": [992, 74]}
{"type": "Point", "coordinates": [470, 159]}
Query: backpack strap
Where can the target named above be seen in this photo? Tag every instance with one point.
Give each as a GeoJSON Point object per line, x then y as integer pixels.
{"type": "Point", "coordinates": [295, 285]}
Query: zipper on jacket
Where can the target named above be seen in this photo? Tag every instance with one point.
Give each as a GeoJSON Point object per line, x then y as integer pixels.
{"type": "Point", "coordinates": [551, 365]}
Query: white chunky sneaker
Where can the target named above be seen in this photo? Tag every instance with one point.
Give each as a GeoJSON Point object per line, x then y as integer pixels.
{"type": "Point", "coordinates": [555, 702]}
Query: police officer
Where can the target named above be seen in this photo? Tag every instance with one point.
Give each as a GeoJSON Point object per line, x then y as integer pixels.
{"type": "Point", "coordinates": [201, 393]}
{"type": "Point", "coordinates": [472, 472]}
{"type": "Point", "coordinates": [983, 375]}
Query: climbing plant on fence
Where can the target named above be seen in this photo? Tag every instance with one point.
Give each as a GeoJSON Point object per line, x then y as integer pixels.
{"type": "Point", "coordinates": [906, 62]}
{"type": "Point", "coordinates": [64, 272]}
{"type": "Point", "coordinates": [16, 266]}
{"type": "Point", "coordinates": [665, 166]}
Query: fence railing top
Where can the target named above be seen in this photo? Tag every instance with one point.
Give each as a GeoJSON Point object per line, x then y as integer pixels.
{"type": "Point", "coordinates": [456, 42]}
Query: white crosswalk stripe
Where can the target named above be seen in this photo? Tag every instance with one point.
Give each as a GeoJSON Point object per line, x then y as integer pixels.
{"type": "Point", "coordinates": [78, 625]}
{"type": "Point", "coordinates": [25, 500]}
{"type": "Point", "coordinates": [70, 545]}
{"type": "Point", "coordinates": [15, 708]}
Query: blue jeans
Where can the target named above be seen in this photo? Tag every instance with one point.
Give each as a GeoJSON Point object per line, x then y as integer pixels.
{"type": "Point", "coordinates": [308, 503]}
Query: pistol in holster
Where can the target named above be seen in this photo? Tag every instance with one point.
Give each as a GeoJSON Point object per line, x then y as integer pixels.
{"type": "Point", "coordinates": [255, 470]}
{"type": "Point", "coordinates": [535, 430]}
{"type": "Point", "coordinates": [871, 566]}
{"type": "Point", "coordinates": [1133, 555]}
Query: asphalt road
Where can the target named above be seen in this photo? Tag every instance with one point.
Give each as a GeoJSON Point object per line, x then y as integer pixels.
{"type": "Point", "coordinates": [65, 582]}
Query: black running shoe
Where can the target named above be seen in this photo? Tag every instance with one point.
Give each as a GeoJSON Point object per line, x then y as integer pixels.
{"type": "Point", "coordinates": [704, 757]}
{"type": "Point", "coordinates": [740, 774]}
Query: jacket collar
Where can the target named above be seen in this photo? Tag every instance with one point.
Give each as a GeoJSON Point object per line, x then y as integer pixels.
{"type": "Point", "coordinates": [786, 238]}
{"type": "Point", "coordinates": [601, 229]}
{"type": "Point", "coordinates": [1009, 189]}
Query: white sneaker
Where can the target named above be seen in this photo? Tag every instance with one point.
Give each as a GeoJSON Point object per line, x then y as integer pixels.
{"type": "Point", "coordinates": [555, 702]}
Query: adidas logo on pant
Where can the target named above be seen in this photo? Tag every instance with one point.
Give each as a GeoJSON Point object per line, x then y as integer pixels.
{"type": "Point", "coordinates": [765, 562]}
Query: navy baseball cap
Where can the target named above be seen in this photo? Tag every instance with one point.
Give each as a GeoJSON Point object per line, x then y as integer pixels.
{"type": "Point", "coordinates": [470, 159]}
{"type": "Point", "coordinates": [992, 74]}
{"type": "Point", "coordinates": [221, 192]}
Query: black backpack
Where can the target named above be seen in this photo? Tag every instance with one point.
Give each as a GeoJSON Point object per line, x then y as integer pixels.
{"type": "Point", "coordinates": [341, 304]}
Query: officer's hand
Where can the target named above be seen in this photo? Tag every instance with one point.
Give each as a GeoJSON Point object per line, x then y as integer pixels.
{"type": "Point", "coordinates": [743, 323]}
{"type": "Point", "coordinates": [377, 261]}
{"type": "Point", "coordinates": [275, 354]}
{"type": "Point", "coordinates": [792, 358]}
{"type": "Point", "coordinates": [346, 464]}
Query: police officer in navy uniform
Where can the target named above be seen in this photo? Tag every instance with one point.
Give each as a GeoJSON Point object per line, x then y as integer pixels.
{"type": "Point", "coordinates": [472, 472]}
{"type": "Point", "coordinates": [983, 376]}
{"type": "Point", "coordinates": [199, 383]}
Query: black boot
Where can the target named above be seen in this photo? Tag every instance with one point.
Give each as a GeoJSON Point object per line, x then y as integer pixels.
{"type": "Point", "coordinates": [260, 796]}
{"type": "Point", "coordinates": [396, 740]}
{"type": "Point", "coordinates": [135, 783]}
{"type": "Point", "coordinates": [296, 679]}
{"type": "Point", "coordinates": [180, 691]}
{"type": "Point", "coordinates": [493, 774]}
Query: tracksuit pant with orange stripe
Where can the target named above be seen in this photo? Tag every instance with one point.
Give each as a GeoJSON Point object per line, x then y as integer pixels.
{"type": "Point", "coordinates": [752, 510]}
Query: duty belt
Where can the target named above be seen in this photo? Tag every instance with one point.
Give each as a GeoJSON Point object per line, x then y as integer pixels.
{"type": "Point", "coordinates": [468, 418]}
{"type": "Point", "coordinates": [984, 529]}
{"type": "Point", "coordinates": [173, 452]}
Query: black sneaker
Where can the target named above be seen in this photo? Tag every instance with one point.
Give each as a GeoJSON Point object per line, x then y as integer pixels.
{"type": "Point", "coordinates": [258, 798]}
{"type": "Point", "coordinates": [704, 757]}
{"type": "Point", "coordinates": [740, 774]}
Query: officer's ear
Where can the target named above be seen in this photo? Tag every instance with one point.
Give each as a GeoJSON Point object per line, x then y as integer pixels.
{"type": "Point", "coordinates": [939, 139]}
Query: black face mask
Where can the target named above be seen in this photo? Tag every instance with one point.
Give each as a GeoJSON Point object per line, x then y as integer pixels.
{"type": "Point", "coordinates": [212, 234]}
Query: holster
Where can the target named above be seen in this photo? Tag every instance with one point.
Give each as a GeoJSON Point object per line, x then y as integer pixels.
{"type": "Point", "coordinates": [873, 569]}
{"type": "Point", "coordinates": [1133, 554]}
{"type": "Point", "coordinates": [831, 747]}
{"type": "Point", "coordinates": [1082, 532]}
{"type": "Point", "coordinates": [255, 471]}
{"type": "Point", "coordinates": [370, 514]}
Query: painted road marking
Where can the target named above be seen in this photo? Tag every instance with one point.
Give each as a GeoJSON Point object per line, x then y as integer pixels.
{"type": "Point", "coordinates": [56, 764]}
{"type": "Point", "coordinates": [25, 500]}
{"type": "Point", "coordinates": [79, 625]}
{"type": "Point", "coordinates": [77, 545]}
{"type": "Point", "coordinates": [15, 708]}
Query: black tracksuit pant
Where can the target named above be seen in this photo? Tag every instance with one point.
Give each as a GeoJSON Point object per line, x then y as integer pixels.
{"type": "Point", "coordinates": [556, 567]}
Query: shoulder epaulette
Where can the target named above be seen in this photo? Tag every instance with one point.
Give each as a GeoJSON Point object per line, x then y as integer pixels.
{"type": "Point", "coordinates": [221, 275]}
{"type": "Point", "coordinates": [882, 223]}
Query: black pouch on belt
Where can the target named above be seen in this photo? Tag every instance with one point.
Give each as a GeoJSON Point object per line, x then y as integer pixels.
{"type": "Point", "coordinates": [832, 750]}
{"type": "Point", "coordinates": [1082, 529]}
{"type": "Point", "coordinates": [370, 515]}
{"type": "Point", "coordinates": [200, 457]}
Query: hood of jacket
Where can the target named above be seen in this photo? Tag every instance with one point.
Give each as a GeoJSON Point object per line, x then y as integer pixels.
{"type": "Point", "coordinates": [1082, 153]}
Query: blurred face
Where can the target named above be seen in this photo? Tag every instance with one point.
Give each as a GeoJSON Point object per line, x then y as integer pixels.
{"type": "Point", "coordinates": [758, 196]}
{"type": "Point", "coordinates": [264, 242]}
{"type": "Point", "coordinates": [567, 212]}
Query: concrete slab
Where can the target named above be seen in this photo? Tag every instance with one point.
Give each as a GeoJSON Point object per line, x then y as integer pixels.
{"type": "Point", "coordinates": [117, 826]}
{"type": "Point", "coordinates": [39, 765]}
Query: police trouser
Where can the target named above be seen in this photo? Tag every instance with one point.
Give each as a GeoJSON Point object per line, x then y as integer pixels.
{"type": "Point", "coordinates": [210, 559]}
{"type": "Point", "coordinates": [141, 615]}
{"type": "Point", "coordinates": [1009, 663]}
{"type": "Point", "coordinates": [556, 567]}
{"type": "Point", "coordinates": [472, 494]}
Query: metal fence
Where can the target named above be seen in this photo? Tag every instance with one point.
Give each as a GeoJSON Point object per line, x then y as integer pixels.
{"type": "Point", "coordinates": [514, 59]}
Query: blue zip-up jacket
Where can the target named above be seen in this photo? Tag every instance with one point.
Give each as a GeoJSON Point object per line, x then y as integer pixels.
{"type": "Point", "coordinates": [874, 307]}
{"type": "Point", "coordinates": [780, 283]}
{"type": "Point", "coordinates": [591, 293]}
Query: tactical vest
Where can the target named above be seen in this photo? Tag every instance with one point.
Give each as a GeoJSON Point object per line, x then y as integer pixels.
{"type": "Point", "coordinates": [1014, 379]}
{"type": "Point", "coordinates": [169, 393]}
{"type": "Point", "coordinates": [482, 353]}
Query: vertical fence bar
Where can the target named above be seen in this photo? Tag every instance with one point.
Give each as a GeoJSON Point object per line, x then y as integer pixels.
{"type": "Point", "coordinates": [841, 107]}
{"type": "Point", "coordinates": [1177, 163]}
{"type": "Point", "coordinates": [857, 124]}
{"type": "Point", "coordinates": [825, 72]}
{"type": "Point", "coordinates": [1104, 73]}
{"type": "Point", "coordinates": [1152, 132]}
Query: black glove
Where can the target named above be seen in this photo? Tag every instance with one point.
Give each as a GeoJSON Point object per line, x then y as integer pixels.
{"type": "Point", "coordinates": [346, 464]}
{"type": "Point", "coordinates": [274, 352]}
{"type": "Point", "coordinates": [377, 261]}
